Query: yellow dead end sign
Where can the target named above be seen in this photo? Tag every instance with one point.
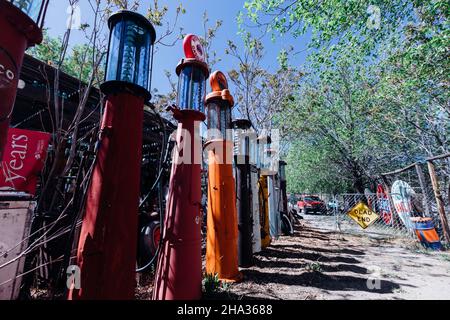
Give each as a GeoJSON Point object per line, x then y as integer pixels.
{"type": "Point", "coordinates": [363, 215]}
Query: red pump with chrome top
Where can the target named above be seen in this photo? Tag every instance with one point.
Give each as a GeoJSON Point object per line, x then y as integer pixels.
{"type": "Point", "coordinates": [179, 269]}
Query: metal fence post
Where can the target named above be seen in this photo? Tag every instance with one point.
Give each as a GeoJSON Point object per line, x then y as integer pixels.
{"type": "Point", "coordinates": [336, 213]}
{"type": "Point", "coordinates": [424, 189]}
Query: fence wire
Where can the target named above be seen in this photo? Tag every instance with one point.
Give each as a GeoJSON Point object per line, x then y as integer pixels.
{"type": "Point", "coordinates": [395, 219]}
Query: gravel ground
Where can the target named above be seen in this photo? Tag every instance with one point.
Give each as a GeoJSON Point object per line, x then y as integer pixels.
{"type": "Point", "coordinates": [320, 263]}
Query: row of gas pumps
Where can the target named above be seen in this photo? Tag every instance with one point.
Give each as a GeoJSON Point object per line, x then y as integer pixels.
{"type": "Point", "coordinates": [247, 199]}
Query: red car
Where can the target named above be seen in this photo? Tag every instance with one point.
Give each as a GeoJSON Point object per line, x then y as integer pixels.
{"type": "Point", "coordinates": [312, 205]}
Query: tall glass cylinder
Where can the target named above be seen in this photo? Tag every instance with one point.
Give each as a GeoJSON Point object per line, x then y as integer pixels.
{"type": "Point", "coordinates": [130, 50]}
{"type": "Point", "coordinates": [264, 154]}
{"type": "Point", "coordinates": [32, 8]}
{"type": "Point", "coordinates": [219, 119]}
{"type": "Point", "coordinates": [192, 87]}
{"type": "Point", "coordinates": [243, 138]}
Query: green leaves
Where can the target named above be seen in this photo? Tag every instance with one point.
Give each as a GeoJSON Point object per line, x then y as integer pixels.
{"type": "Point", "coordinates": [376, 92]}
{"type": "Point", "coordinates": [78, 63]}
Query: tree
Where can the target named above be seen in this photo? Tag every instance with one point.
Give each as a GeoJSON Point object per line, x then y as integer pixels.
{"type": "Point", "coordinates": [260, 94]}
{"type": "Point", "coordinates": [376, 93]}
{"type": "Point", "coordinates": [162, 101]}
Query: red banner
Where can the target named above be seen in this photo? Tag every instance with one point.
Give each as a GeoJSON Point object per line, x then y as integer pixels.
{"type": "Point", "coordinates": [24, 158]}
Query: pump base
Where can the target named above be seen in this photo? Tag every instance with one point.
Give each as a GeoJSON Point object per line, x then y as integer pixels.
{"type": "Point", "coordinates": [222, 234]}
{"type": "Point", "coordinates": [179, 269]}
{"type": "Point", "coordinates": [108, 239]}
{"type": "Point", "coordinates": [266, 240]}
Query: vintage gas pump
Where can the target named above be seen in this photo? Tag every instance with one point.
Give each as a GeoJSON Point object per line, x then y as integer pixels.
{"type": "Point", "coordinates": [222, 234]}
{"type": "Point", "coordinates": [274, 195]}
{"type": "Point", "coordinates": [283, 186]}
{"type": "Point", "coordinates": [254, 180]}
{"type": "Point", "coordinates": [21, 25]}
{"type": "Point", "coordinates": [108, 239]}
{"type": "Point", "coordinates": [267, 189]}
{"type": "Point", "coordinates": [286, 218]}
{"type": "Point", "coordinates": [243, 191]}
{"type": "Point", "coordinates": [266, 240]}
{"type": "Point", "coordinates": [179, 270]}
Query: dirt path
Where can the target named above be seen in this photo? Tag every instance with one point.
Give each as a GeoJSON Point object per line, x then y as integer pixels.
{"type": "Point", "coordinates": [321, 264]}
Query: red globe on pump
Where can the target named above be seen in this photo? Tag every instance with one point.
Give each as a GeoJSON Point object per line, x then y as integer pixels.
{"type": "Point", "coordinates": [179, 269]}
{"type": "Point", "coordinates": [193, 48]}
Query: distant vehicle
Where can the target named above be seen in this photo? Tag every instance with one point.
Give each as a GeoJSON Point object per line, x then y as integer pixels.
{"type": "Point", "coordinates": [335, 206]}
{"type": "Point", "coordinates": [312, 205]}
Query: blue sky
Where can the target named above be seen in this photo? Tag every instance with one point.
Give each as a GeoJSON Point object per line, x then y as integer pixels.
{"type": "Point", "coordinates": [192, 22]}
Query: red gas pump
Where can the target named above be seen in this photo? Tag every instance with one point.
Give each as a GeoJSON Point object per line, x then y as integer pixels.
{"type": "Point", "coordinates": [179, 270]}
{"type": "Point", "coordinates": [21, 25]}
{"type": "Point", "coordinates": [108, 240]}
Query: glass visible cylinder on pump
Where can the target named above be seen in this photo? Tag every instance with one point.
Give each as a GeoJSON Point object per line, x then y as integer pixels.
{"type": "Point", "coordinates": [34, 9]}
{"type": "Point", "coordinates": [191, 84]}
{"type": "Point", "coordinates": [242, 140]}
{"type": "Point", "coordinates": [130, 55]}
{"type": "Point", "coordinates": [220, 102]}
{"type": "Point", "coordinates": [265, 155]}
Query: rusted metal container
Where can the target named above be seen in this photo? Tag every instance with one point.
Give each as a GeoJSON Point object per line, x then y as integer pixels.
{"type": "Point", "coordinates": [16, 211]}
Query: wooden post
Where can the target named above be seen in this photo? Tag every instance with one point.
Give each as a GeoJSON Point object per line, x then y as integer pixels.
{"type": "Point", "coordinates": [439, 200]}
{"type": "Point", "coordinates": [425, 201]}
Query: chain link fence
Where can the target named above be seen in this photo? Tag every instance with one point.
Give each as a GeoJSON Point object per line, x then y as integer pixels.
{"type": "Point", "coordinates": [388, 222]}
{"type": "Point", "coordinates": [403, 201]}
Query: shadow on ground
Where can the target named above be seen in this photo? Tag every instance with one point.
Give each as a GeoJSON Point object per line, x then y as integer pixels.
{"type": "Point", "coordinates": [320, 280]}
{"type": "Point", "coordinates": [316, 261]}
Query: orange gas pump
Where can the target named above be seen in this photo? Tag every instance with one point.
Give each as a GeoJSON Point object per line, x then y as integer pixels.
{"type": "Point", "coordinates": [222, 229]}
